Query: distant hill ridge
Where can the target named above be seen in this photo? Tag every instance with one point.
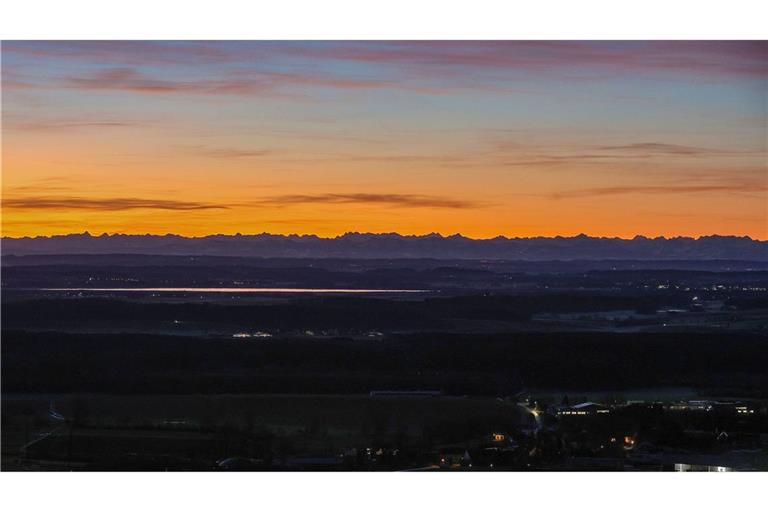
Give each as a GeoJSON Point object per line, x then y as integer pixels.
{"type": "Point", "coordinates": [394, 245]}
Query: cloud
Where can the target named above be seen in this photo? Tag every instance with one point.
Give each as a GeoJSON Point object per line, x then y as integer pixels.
{"type": "Point", "coordinates": [432, 67]}
{"type": "Point", "coordinates": [397, 158]}
{"type": "Point", "coordinates": [124, 52]}
{"type": "Point", "coordinates": [536, 155]}
{"type": "Point", "coordinates": [38, 187]}
{"type": "Point", "coordinates": [233, 152]}
{"type": "Point", "coordinates": [117, 204]}
{"type": "Point", "coordinates": [564, 159]}
{"type": "Point", "coordinates": [704, 57]}
{"type": "Point", "coordinates": [658, 148]}
{"type": "Point", "coordinates": [56, 184]}
{"type": "Point", "coordinates": [63, 125]}
{"type": "Point", "coordinates": [402, 200]}
{"type": "Point", "coordinates": [710, 57]}
{"type": "Point", "coordinates": [248, 67]}
{"type": "Point", "coordinates": [103, 204]}
{"type": "Point", "coordinates": [239, 83]}
{"type": "Point", "coordinates": [661, 189]}
{"type": "Point", "coordinates": [128, 79]}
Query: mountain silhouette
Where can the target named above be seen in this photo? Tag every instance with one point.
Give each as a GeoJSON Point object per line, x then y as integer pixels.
{"type": "Point", "coordinates": [394, 245]}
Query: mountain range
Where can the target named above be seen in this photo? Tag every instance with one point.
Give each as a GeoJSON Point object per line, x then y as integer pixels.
{"type": "Point", "coordinates": [394, 245]}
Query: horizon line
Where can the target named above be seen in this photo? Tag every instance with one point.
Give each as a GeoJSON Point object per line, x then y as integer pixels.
{"type": "Point", "coordinates": [433, 234]}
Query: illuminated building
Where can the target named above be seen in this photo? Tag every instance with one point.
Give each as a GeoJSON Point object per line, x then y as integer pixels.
{"type": "Point", "coordinates": [583, 409]}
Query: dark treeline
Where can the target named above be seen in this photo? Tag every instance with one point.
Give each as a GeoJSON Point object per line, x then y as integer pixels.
{"type": "Point", "coordinates": [403, 274]}
{"type": "Point", "coordinates": [457, 364]}
{"type": "Point", "coordinates": [94, 261]}
{"type": "Point", "coordinates": [317, 313]}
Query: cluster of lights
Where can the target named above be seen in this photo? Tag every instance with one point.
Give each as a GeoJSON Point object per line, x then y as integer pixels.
{"type": "Point", "coordinates": [581, 413]}
{"type": "Point", "coordinates": [703, 406]}
{"type": "Point", "coordinates": [252, 335]}
{"type": "Point", "coordinates": [692, 406]}
{"type": "Point", "coordinates": [690, 467]}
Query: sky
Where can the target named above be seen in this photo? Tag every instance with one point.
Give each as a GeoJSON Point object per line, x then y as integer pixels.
{"type": "Point", "coordinates": [482, 138]}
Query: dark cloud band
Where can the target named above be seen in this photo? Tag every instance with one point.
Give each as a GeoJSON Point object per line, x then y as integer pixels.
{"type": "Point", "coordinates": [105, 204]}
{"type": "Point", "coordinates": [404, 200]}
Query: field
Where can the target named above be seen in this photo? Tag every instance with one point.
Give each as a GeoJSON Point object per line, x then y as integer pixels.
{"type": "Point", "coordinates": [195, 431]}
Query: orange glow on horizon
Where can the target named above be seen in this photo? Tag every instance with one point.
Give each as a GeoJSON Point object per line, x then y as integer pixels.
{"type": "Point", "coordinates": [159, 137]}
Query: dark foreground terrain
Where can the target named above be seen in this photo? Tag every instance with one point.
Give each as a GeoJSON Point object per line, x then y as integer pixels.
{"type": "Point", "coordinates": [492, 365]}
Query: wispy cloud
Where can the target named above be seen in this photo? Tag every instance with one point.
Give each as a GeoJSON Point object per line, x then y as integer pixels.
{"type": "Point", "coordinates": [517, 154]}
{"type": "Point", "coordinates": [397, 158]}
{"type": "Point", "coordinates": [433, 67]}
{"type": "Point", "coordinates": [233, 152]}
{"type": "Point", "coordinates": [245, 83]}
{"type": "Point", "coordinates": [564, 159]}
{"type": "Point", "coordinates": [710, 57]}
{"type": "Point", "coordinates": [115, 204]}
{"type": "Point", "coordinates": [128, 79]}
{"type": "Point", "coordinates": [704, 57]}
{"type": "Point", "coordinates": [63, 125]}
{"type": "Point", "coordinates": [56, 184]}
{"type": "Point", "coordinates": [124, 52]}
{"type": "Point", "coordinates": [104, 204]}
{"type": "Point", "coordinates": [37, 187]}
{"type": "Point", "coordinates": [662, 189]}
{"type": "Point", "coordinates": [659, 148]}
{"type": "Point", "coordinates": [402, 200]}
